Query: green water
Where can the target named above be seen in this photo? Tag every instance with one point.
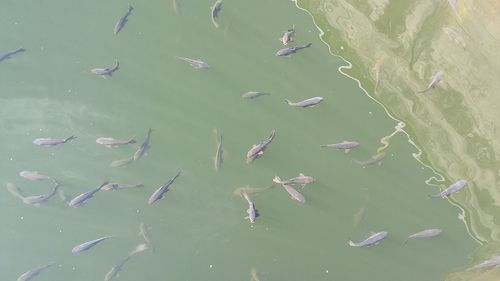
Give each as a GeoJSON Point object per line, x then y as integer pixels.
{"type": "Point", "coordinates": [197, 229]}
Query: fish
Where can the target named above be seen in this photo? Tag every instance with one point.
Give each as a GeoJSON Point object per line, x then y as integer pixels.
{"type": "Point", "coordinates": [144, 234]}
{"type": "Point", "coordinates": [122, 162]}
{"type": "Point", "coordinates": [113, 272]}
{"type": "Point", "coordinates": [450, 189]}
{"type": "Point", "coordinates": [301, 179]}
{"type": "Point", "coordinates": [28, 275]}
{"type": "Point", "coordinates": [455, 36]}
{"type": "Point", "coordinates": [305, 103]}
{"type": "Point", "coordinates": [453, 4]}
{"type": "Point", "coordinates": [374, 159]}
{"type": "Point", "coordinates": [7, 55]}
{"type": "Point", "coordinates": [435, 79]}
{"type": "Point", "coordinates": [252, 212]}
{"type": "Point", "coordinates": [372, 240]}
{"type": "Point", "coordinates": [116, 186]}
{"type": "Point", "coordinates": [297, 196]}
{"type": "Point", "coordinates": [47, 142]}
{"type": "Point", "coordinates": [219, 153]}
{"type": "Point", "coordinates": [106, 71]}
{"type": "Point", "coordinates": [82, 198]}
{"type": "Point", "coordinates": [143, 147]}
{"type": "Point", "coordinates": [195, 63]}
{"type": "Point", "coordinates": [37, 199]}
{"type": "Point", "coordinates": [291, 50]}
{"type": "Point", "coordinates": [215, 10]}
{"type": "Point", "coordinates": [111, 142]}
{"type": "Point", "coordinates": [34, 176]}
{"type": "Point", "coordinates": [249, 190]}
{"type": "Point", "coordinates": [15, 190]}
{"type": "Point", "coordinates": [258, 149]}
{"type": "Point", "coordinates": [158, 194]}
{"type": "Point", "coordinates": [89, 244]}
{"type": "Point", "coordinates": [425, 234]}
{"type": "Point", "coordinates": [345, 145]}
{"type": "Point", "coordinates": [287, 36]}
{"type": "Point", "coordinates": [494, 261]}
{"type": "Point", "coordinates": [253, 95]}
{"type": "Point", "coordinates": [121, 22]}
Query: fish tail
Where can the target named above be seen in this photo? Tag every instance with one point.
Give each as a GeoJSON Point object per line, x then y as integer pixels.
{"type": "Point", "coordinates": [277, 180]}
{"type": "Point", "coordinates": [352, 244]}
{"type": "Point", "coordinates": [288, 102]}
{"type": "Point", "coordinates": [132, 140]}
{"type": "Point", "coordinates": [70, 138]}
{"type": "Point", "coordinates": [435, 196]}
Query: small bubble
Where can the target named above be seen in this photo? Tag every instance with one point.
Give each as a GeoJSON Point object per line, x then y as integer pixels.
{"type": "Point", "coordinates": [341, 47]}
{"type": "Point", "coordinates": [211, 266]}
{"type": "Point", "coordinates": [11, 158]}
{"type": "Point", "coordinates": [369, 112]}
{"type": "Point", "coordinates": [22, 218]}
{"type": "Point", "coordinates": [60, 230]}
{"type": "Point", "coordinates": [326, 271]}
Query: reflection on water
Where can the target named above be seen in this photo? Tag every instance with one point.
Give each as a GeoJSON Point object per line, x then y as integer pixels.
{"type": "Point", "coordinates": [395, 46]}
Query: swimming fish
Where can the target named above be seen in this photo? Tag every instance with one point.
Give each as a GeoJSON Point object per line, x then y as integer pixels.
{"type": "Point", "coordinates": [372, 240]}
{"type": "Point", "coordinates": [455, 36]}
{"type": "Point", "coordinates": [35, 200]}
{"type": "Point", "coordinates": [253, 95]}
{"type": "Point", "coordinates": [52, 142]}
{"type": "Point", "coordinates": [116, 186]}
{"type": "Point", "coordinates": [258, 149]}
{"type": "Point", "coordinates": [89, 244]}
{"type": "Point", "coordinates": [435, 79]}
{"type": "Point", "coordinates": [82, 198]}
{"type": "Point", "coordinates": [28, 275]}
{"type": "Point", "coordinates": [122, 162]}
{"type": "Point", "coordinates": [158, 194]}
{"type": "Point", "coordinates": [374, 159]}
{"type": "Point", "coordinates": [301, 179]}
{"type": "Point", "coordinates": [195, 63]}
{"type": "Point", "coordinates": [121, 22]}
{"type": "Point", "coordinates": [249, 190]}
{"type": "Point", "coordinates": [107, 70]}
{"type": "Point", "coordinates": [215, 10]}
{"type": "Point", "coordinates": [287, 36]}
{"type": "Point", "coordinates": [494, 261]}
{"type": "Point", "coordinates": [34, 176]}
{"type": "Point", "coordinates": [345, 145]}
{"type": "Point", "coordinates": [425, 234]}
{"type": "Point", "coordinates": [111, 142]}
{"type": "Point", "coordinates": [7, 55]}
{"type": "Point", "coordinates": [294, 194]}
{"type": "Point", "coordinates": [252, 212]}
{"type": "Point", "coordinates": [305, 103]}
{"type": "Point", "coordinates": [451, 189]}
{"type": "Point", "coordinates": [143, 147]}
{"type": "Point", "coordinates": [219, 153]}
{"type": "Point", "coordinates": [143, 232]}
{"type": "Point", "coordinates": [291, 50]}
{"type": "Point", "coordinates": [113, 272]}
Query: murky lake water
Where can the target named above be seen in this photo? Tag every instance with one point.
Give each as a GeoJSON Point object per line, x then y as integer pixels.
{"type": "Point", "coordinates": [197, 229]}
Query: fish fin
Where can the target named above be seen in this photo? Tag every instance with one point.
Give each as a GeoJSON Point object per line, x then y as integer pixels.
{"type": "Point", "coordinates": [301, 175]}
{"type": "Point", "coordinates": [352, 244]}
{"type": "Point", "coordinates": [288, 102]}
{"type": "Point", "coordinates": [260, 153]}
{"type": "Point", "coordinates": [277, 180]}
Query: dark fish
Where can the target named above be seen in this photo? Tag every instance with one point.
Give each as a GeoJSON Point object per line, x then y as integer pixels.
{"type": "Point", "coordinates": [111, 142]}
{"type": "Point", "coordinates": [121, 22]}
{"type": "Point", "coordinates": [291, 50]}
{"type": "Point", "coordinates": [287, 36]}
{"type": "Point", "coordinates": [219, 153]}
{"type": "Point", "coordinates": [52, 142]}
{"type": "Point", "coordinates": [82, 198]}
{"type": "Point", "coordinates": [253, 95]}
{"type": "Point", "coordinates": [37, 199]}
{"type": "Point", "coordinates": [196, 64]}
{"type": "Point", "coordinates": [214, 11]}
{"type": "Point", "coordinates": [258, 149]}
{"type": "Point", "coordinates": [106, 71]}
{"type": "Point", "coordinates": [372, 240]}
{"type": "Point", "coordinates": [305, 103]}
{"type": "Point", "coordinates": [28, 275]}
{"type": "Point", "coordinates": [122, 162]}
{"type": "Point", "coordinates": [425, 234]}
{"type": "Point", "coordinates": [345, 145]}
{"type": "Point", "coordinates": [87, 245]}
{"type": "Point", "coordinates": [451, 189]}
{"type": "Point", "coordinates": [11, 53]}
{"type": "Point", "coordinates": [144, 146]}
{"type": "Point", "coordinates": [117, 268]}
{"type": "Point", "coordinates": [297, 196]}
{"type": "Point", "coordinates": [34, 176]}
{"type": "Point", "coordinates": [158, 194]}
{"type": "Point", "coordinates": [116, 186]}
{"type": "Point", "coordinates": [436, 78]}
